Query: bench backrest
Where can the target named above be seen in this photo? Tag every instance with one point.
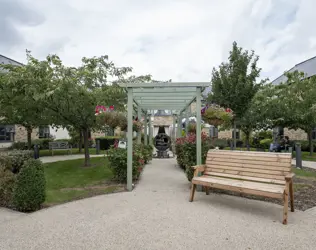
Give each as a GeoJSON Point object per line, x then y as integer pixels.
{"type": "Point", "coordinates": [256, 166]}
{"type": "Point", "coordinates": [58, 145]}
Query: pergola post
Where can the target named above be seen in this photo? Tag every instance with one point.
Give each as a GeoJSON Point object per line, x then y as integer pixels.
{"type": "Point", "coordinates": [139, 134]}
{"type": "Point", "coordinates": [198, 127]}
{"type": "Point", "coordinates": [150, 131]}
{"type": "Point", "coordinates": [129, 139]}
{"type": "Point", "coordinates": [173, 136]}
{"type": "Point", "coordinates": [145, 130]}
{"type": "Point", "coordinates": [186, 121]}
{"type": "Point", "coordinates": [179, 125]}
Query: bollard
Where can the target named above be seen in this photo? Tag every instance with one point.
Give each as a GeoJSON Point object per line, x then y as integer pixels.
{"type": "Point", "coordinates": [298, 156]}
{"type": "Point", "coordinates": [97, 147]}
{"type": "Point", "coordinates": [231, 145]}
{"type": "Point", "coordinates": [36, 151]}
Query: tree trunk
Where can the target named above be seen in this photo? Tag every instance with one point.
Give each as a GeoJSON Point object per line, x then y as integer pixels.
{"type": "Point", "coordinates": [247, 141]}
{"type": "Point", "coordinates": [86, 147]}
{"type": "Point", "coordinates": [234, 139]}
{"type": "Point", "coordinates": [29, 137]}
{"type": "Point", "coordinates": [310, 142]}
{"type": "Point", "coordinates": [80, 141]}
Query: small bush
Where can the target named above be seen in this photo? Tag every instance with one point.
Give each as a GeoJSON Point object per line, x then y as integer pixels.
{"type": "Point", "coordinates": [18, 157]}
{"type": "Point", "coordinates": [220, 143]}
{"type": "Point", "coordinates": [7, 185]}
{"type": "Point", "coordinates": [29, 191]}
{"type": "Point", "coordinates": [118, 163]}
{"type": "Point", "coordinates": [19, 145]}
{"type": "Point", "coordinates": [265, 143]}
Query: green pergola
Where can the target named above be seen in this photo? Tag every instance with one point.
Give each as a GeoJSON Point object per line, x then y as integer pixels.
{"type": "Point", "coordinates": [174, 96]}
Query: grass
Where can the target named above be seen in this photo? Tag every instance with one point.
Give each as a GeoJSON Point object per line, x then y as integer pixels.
{"type": "Point", "coordinates": [304, 173]}
{"type": "Point", "coordinates": [47, 152]}
{"type": "Point", "coordinates": [69, 180]}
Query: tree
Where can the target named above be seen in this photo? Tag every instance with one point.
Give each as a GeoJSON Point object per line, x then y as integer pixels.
{"type": "Point", "coordinates": [16, 106]}
{"type": "Point", "coordinates": [69, 94]}
{"type": "Point", "coordinates": [234, 83]}
{"type": "Point", "coordinates": [297, 101]}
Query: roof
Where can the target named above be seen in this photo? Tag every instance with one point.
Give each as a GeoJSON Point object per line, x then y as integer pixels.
{"type": "Point", "coordinates": [7, 60]}
{"type": "Point", "coordinates": [308, 67]}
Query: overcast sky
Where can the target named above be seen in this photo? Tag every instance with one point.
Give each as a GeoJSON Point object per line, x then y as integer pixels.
{"type": "Point", "coordinates": [170, 39]}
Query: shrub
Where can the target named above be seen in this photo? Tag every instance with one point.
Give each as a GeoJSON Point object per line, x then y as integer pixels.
{"type": "Point", "coordinates": [19, 145]}
{"type": "Point", "coordinates": [220, 143]}
{"type": "Point", "coordinates": [187, 147]}
{"type": "Point", "coordinates": [29, 191]}
{"type": "Point", "coordinates": [7, 184]}
{"type": "Point", "coordinates": [118, 162]}
{"type": "Point", "coordinates": [43, 143]}
{"type": "Point", "coordinates": [265, 143]}
{"type": "Point", "coordinates": [18, 157]}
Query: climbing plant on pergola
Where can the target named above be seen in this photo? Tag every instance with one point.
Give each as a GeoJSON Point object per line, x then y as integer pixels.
{"type": "Point", "coordinates": [174, 96]}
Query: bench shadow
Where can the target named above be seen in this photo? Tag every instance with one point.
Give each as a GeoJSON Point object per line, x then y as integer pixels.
{"type": "Point", "coordinates": [245, 205]}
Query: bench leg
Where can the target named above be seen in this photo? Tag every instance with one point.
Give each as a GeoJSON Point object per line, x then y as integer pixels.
{"type": "Point", "coordinates": [207, 190]}
{"type": "Point", "coordinates": [286, 203]}
{"type": "Point", "coordinates": [292, 196]}
{"type": "Point", "coordinates": [192, 192]}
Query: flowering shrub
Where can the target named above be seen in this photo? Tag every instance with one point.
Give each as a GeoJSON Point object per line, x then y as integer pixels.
{"type": "Point", "coordinates": [118, 161]}
{"type": "Point", "coordinates": [186, 152]}
{"type": "Point", "coordinates": [216, 115]}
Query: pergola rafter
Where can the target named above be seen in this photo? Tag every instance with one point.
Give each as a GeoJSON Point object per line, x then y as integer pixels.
{"type": "Point", "coordinates": [174, 96]}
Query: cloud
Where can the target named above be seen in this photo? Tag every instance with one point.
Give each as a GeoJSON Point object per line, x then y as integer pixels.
{"type": "Point", "coordinates": [13, 16]}
{"type": "Point", "coordinates": [178, 40]}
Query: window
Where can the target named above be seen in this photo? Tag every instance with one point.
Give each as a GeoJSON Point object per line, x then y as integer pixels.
{"type": "Point", "coordinates": [314, 134]}
{"type": "Point", "coordinates": [237, 134]}
{"type": "Point", "coordinates": [6, 133]}
{"type": "Point", "coordinates": [43, 132]}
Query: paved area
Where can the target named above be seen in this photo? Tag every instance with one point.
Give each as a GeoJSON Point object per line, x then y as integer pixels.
{"type": "Point", "coordinates": [308, 164]}
{"type": "Point", "coordinates": [48, 159]}
{"type": "Point", "coordinates": [157, 215]}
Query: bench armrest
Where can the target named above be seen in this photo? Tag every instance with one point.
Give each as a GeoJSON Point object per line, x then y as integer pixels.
{"type": "Point", "coordinates": [198, 169]}
{"type": "Point", "coordinates": [289, 176]}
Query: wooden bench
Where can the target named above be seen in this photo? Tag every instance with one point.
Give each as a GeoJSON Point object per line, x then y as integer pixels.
{"type": "Point", "coordinates": [256, 173]}
{"type": "Point", "coordinates": [59, 145]}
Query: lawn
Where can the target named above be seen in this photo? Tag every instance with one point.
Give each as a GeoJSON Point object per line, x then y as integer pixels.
{"type": "Point", "coordinates": [69, 180]}
{"type": "Point", "coordinates": [47, 152]}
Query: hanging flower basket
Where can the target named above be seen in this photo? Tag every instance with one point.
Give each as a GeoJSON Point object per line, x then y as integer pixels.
{"type": "Point", "coordinates": [216, 115]}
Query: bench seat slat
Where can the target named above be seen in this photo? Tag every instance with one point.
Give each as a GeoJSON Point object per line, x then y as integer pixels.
{"type": "Point", "coordinates": [252, 170]}
{"type": "Point", "coordinates": [249, 178]}
{"type": "Point", "coordinates": [255, 162]}
{"type": "Point", "coordinates": [244, 173]}
{"type": "Point", "coordinates": [262, 189]}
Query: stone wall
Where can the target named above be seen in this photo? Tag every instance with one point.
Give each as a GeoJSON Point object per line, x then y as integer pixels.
{"type": "Point", "coordinates": [295, 134]}
{"type": "Point", "coordinates": [162, 120]}
{"type": "Point", "coordinates": [226, 134]}
{"type": "Point", "coordinates": [21, 134]}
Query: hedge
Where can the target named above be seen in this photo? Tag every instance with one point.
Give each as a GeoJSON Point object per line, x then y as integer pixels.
{"type": "Point", "coordinates": [107, 141]}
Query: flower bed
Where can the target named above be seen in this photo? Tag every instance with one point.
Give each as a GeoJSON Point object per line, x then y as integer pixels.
{"type": "Point", "coordinates": [186, 152]}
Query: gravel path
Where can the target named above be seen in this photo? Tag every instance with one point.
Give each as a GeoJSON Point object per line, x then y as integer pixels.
{"type": "Point", "coordinates": [157, 215]}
